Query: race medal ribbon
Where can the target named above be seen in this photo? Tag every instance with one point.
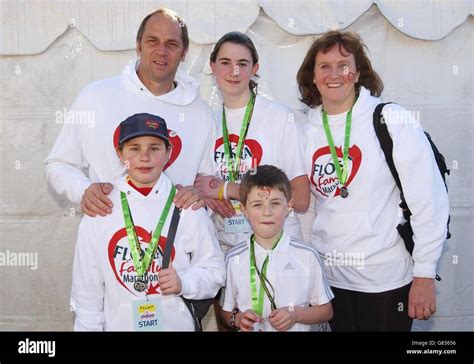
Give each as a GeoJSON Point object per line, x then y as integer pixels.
{"type": "Point", "coordinates": [341, 175]}
{"type": "Point", "coordinates": [140, 262]}
{"type": "Point", "coordinates": [233, 168]}
{"type": "Point", "coordinates": [257, 301]}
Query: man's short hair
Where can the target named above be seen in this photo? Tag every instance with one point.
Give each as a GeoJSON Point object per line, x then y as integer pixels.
{"type": "Point", "coordinates": [169, 14]}
{"type": "Point", "coordinates": [264, 176]}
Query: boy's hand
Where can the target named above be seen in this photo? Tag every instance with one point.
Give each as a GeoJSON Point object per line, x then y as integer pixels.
{"type": "Point", "coordinates": [187, 196]}
{"type": "Point", "coordinates": [282, 319]}
{"type": "Point", "coordinates": [245, 320]}
{"type": "Point", "coordinates": [95, 201]}
{"type": "Point", "coordinates": [223, 208]}
{"type": "Point", "coordinates": [170, 283]}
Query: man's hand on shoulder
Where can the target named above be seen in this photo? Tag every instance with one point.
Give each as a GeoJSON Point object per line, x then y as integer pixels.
{"type": "Point", "coordinates": [95, 201]}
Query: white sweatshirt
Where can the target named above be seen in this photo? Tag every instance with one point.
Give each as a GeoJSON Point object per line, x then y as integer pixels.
{"type": "Point", "coordinates": [272, 138]}
{"type": "Point", "coordinates": [357, 236]}
{"type": "Point", "coordinates": [84, 152]}
{"type": "Point", "coordinates": [103, 272]}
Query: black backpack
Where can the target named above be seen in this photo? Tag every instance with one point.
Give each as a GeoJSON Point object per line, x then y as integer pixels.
{"type": "Point", "coordinates": [380, 127]}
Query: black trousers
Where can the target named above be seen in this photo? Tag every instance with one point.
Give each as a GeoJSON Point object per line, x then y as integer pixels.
{"type": "Point", "coordinates": [359, 311]}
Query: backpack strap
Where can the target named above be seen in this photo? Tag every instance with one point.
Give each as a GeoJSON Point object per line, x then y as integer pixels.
{"type": "Point", "coordinates": [386, 144]}
{"type": "Point", "coordinates": [167, 258]}
{"type": "Point", "coordinates": [170, 238]}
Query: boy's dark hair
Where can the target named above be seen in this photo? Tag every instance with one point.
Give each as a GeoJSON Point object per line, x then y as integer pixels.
{"type": "Point", "coordinates": [264, 176]}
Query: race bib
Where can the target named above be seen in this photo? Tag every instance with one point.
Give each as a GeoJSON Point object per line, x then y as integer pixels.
{"type": "Point", "coordinates": [147, 314]}
{"type": "Point", "coordinates": [237, 223]}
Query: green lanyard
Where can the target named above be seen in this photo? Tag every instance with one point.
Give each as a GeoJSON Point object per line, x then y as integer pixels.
{"type": "Point", "coordinates": [233, 169]}
{"type": "Point", "coordinates": [257, 301]}
{"type": "Point", "coordinates": [341, 175]}
{"type": "Point", "coordinates": [142, 263]}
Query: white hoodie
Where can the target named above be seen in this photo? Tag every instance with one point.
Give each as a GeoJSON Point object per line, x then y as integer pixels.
{"type": "Point", "coordinates": [84, 152]}
{"type": "Point", "coordinates": [103, 272]}
{"type": "Point", "coordinates": [357, 236]}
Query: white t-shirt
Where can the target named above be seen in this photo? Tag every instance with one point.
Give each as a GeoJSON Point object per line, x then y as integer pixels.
{"type": "Point", "coordinates": [104, 274]}
{"type": "Point", "coordinates": [293, 269]}
{"type": "Point", "coordinates": [272, 138]}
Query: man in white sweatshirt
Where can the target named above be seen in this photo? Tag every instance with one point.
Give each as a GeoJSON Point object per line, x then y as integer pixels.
{"type": "Point", "coordinates": [83, 163]}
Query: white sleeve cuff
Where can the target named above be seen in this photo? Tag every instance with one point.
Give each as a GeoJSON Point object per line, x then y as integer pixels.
{"type": "Point", "coordinates": [424, 270]}
{"type": "Point", "coordinates": [184, 285]}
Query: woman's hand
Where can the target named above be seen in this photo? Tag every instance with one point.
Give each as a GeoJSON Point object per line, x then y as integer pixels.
{"type": "Point", "coordinates": [422, 298]}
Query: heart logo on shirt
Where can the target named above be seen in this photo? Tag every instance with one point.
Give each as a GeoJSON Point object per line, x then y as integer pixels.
{"type": "Point", "coordinates": [324, 176]}
{"type": "Point", "coordinates": [251, 155]}
{"type": "Point", "coordinates": [121, 262]}
{"type": "Point", "coordinates": [175, 141]}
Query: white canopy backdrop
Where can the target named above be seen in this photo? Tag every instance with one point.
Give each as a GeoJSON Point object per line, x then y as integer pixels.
{"type": "Point", "coordinates": [50, 49]}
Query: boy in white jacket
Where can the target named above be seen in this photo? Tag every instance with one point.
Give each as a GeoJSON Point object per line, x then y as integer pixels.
{"type": "Point", "coordinates": [118, 281]}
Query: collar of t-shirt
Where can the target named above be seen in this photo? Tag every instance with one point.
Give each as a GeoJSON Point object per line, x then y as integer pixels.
{"type": "Point", "coordinates": [237, 111]}
{"type": "Point", "coordinates": [234, 118]}
{"type": "Point", "coordinates": [143, 190]}
{"type": "Point", "coordinates": [337, 119]}
{"type": "Point", "coordinates": [282, 246]}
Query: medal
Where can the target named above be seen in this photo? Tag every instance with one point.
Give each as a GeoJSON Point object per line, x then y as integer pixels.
{"type": "Point", "coordinates": [233, 165]}
{"type": "Point", "coordinates": [258, 327]}
{"type": "Point", "coordinates": [342, 174]}
{"type": "Point", "coordinates": [344, 192]}
{"type": "Point", "coordinates": [139, 284]}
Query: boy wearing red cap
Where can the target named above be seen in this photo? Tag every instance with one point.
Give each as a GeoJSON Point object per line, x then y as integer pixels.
{"type": "Point", "coordinates": [118, 280]}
